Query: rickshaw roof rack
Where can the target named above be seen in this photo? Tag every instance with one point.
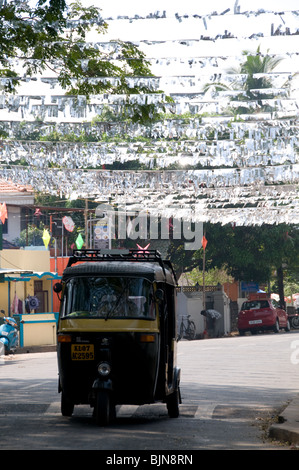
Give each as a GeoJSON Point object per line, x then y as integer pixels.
{"type": "Point", "coordinates": [115, 255]}
{"type": "Point", "coordinates": [120, 255]}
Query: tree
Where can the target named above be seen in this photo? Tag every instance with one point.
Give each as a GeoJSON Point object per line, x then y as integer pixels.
{"type": "Point", "coordinates": [52, 35]}
{"type": "Point", "coordinates": [32, 235]}
{"type": "Point", "coordinates": [253, 64]}
{"type": "Point", "coordinates": [212, 277]}
{"type": "Point", "coordinates": [257, 64]}
{"type": "Point", "coordinates": [182, 260]}
{"type": "Point", "coordinates": [262, 254]}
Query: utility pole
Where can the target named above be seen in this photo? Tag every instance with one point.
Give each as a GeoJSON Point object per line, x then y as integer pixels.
{"type": "Point", "coordinates": [85, 223]}
{"type": "Point", "coordinates": [204, 244]}
{"type": "Point", "coordinates": [203, 280]}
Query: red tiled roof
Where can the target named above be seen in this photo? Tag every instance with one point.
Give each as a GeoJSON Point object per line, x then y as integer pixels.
{"type": "Point", "coordinates": [10, 187]}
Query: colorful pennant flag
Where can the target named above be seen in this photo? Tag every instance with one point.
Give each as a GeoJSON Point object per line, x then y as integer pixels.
{"type": "Point", "coordinates": [46, 237]}
{"type": "Point", "coordinates": [68, 223]}
{"type": "Point", "coordinates": [79, 241]}
{"type": "Point", "coordinates": [204, 242]}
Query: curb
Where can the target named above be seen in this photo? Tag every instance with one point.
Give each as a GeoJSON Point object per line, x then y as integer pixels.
{"type": "Point", "coordinates": [287, 428]}
{"type": "Point", "coordinates": [36, 349]}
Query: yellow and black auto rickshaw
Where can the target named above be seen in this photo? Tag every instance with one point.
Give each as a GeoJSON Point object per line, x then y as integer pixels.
{"type": "Point", "coordinates": [116, 340]}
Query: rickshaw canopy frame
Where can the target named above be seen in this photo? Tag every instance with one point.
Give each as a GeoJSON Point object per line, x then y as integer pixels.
{"type": "Point", "coordinates": [121, 255]}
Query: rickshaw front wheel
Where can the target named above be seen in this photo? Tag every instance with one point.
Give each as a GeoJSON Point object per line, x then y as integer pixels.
{"type": "Point", "coordinates": [172, 403]}
{"type": "Point", "coordinates": [102, 407]}
{"type": "Point", "coordinates": [67, 407]}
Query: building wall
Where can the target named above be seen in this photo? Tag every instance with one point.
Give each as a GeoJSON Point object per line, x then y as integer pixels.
{"type": "Point", "coordinates": [232, 290]}
{"type": "Point", "coordinates": [33, 260]}
{"type": "Point", "coordinates": [37, 261]}
{"type": "Point", "coordinates": [16, 197]}
{"type": "Point", "coordinates": [191, 304]}
{"type": "Point", "coordinates": [37, 329]}
{"type": "Point", "coordinates": [13, 223]}
{"type": "Point", "coordinates": [221, 304]}
{"type": "Point", "coordinates": [57, 265]}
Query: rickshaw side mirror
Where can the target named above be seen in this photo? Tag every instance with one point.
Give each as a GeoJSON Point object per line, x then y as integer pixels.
{"type": "Point", "coordinates": [57, 287]}
{"type": "Point", "coordinates": [159, 295]}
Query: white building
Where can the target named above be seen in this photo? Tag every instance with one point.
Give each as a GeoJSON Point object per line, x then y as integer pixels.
{"type": "Point", "coordinates": [16, 197]}
{"type": "Point", "coordinates": [189, 302]}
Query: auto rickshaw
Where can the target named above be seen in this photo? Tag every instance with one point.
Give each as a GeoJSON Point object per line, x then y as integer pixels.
{"type": "Point", "coordinates": [116, 335]}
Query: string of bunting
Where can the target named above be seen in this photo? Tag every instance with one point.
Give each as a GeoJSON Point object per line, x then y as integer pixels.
{"type": "Point", "coordinates": [240, 169]}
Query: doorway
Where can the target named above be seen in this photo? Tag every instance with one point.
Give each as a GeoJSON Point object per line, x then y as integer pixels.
{"type": "Point", "coordinates": [42, 296]}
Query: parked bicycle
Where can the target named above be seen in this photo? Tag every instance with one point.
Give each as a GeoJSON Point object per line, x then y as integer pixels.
{"type": "Point", "coordinates": [187, 328]}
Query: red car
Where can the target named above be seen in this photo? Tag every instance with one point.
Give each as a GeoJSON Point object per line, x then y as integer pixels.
{"type": "Point", "coordinates": [260, 313]}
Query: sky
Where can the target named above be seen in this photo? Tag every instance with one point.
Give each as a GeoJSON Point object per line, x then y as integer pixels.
{"type": "Point", "coordinates": [129, 7]}
{"type": "Point", "coordinates": [158, 38]}
{"type": "Point", "coordinates": [170, 29]}
{"type": "Point", "coordinates": [172, 47]}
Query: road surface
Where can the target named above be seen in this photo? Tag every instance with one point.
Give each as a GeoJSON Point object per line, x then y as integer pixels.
{"type": "Point", "coordinates": [230, 388]}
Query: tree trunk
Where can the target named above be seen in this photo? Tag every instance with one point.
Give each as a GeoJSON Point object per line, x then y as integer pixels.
{"type": "Point", "coordinates": [280, 287]}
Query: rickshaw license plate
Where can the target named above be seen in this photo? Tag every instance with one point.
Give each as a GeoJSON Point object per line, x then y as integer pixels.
{"type": "Point", "coordinates": [82, 352]}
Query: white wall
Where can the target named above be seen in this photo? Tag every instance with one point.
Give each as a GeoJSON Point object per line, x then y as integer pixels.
{"type": "Point", "coordinates": [191, 304]}
{"type": "Point", "coordinates": [13, 223]}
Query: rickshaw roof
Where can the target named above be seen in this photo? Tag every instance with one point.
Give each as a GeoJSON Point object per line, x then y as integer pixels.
{"type": "Point", "coordinates": [96, 263]}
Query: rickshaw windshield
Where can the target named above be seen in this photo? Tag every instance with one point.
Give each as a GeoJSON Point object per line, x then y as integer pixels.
{"type": "Point", "coordinates": [108, 297]}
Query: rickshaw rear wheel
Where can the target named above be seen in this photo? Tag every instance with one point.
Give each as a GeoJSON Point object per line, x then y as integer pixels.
{"type": "Point", "coordinates": [102, 409]}
{"type": "Point", "coordinates": [67, 407]}
{"type": "Point", "coordinates": [172, 403]}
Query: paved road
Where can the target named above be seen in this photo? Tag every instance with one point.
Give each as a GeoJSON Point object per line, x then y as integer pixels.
{"type": "Point", "coordinates": [229, 386]}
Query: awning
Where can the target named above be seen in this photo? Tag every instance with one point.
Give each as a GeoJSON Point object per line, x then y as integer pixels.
{"type": "Point", "coordinates": [30, 274]}
{"type": "Point", "coordinates": [15, 271]}
{"type": "Point", "coordinates": [40, 274]}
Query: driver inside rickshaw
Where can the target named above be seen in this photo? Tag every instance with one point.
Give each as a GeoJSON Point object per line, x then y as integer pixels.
{"type": "Point", "coordinates": [109, 298]}
{"type": "Point", "coordinates": [117, 305]}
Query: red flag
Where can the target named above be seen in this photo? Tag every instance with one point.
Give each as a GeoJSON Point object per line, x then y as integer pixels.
{"type": "Point", "coordinates": [3, 213]}
{"type": "Point", "coordinates": [204, 242]}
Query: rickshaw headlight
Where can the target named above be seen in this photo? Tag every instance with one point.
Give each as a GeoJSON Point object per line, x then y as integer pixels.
{"type": "Point", "coordinates": [104, 369]}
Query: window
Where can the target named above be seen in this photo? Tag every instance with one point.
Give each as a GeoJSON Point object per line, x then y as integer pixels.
{"type": "Point", "coordinates": [255, 304]}
{"type": "Point", "coordinates": [108, 297]}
